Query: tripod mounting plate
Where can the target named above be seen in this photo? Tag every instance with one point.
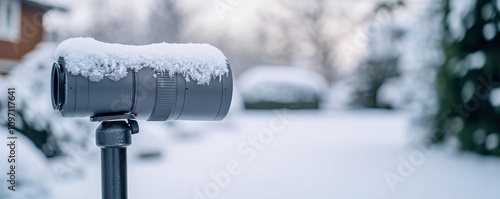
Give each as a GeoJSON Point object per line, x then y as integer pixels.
{"type": "Point", "coordinates": [102, 118]}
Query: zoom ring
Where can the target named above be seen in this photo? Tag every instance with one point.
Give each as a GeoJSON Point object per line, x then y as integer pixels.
{"type": "Point", "coordinates": [165, 97]}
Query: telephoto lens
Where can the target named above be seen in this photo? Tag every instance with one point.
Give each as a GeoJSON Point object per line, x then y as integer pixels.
{"type": "Point", "coordinates": [155, 82]}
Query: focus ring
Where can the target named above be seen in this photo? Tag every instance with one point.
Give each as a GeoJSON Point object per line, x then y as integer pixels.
{"type": "Point", "coordinates": [165, 97]}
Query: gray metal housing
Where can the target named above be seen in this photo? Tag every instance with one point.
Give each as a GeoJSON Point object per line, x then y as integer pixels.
{"type": "Point", "coordinates": [146, 94]}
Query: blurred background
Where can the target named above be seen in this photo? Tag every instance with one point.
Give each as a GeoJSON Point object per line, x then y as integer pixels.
{"type": "Point", "coordinates": [332, 99]}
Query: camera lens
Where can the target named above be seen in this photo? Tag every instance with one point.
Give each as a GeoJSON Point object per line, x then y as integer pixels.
{"type": "Point", "coordinates": [57, 84]}
{"type": "Point", "coordinates": [146, 94]}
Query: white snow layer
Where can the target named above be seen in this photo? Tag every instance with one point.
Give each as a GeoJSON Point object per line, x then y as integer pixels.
{"type": "Point", "coordinates": [95, 60]}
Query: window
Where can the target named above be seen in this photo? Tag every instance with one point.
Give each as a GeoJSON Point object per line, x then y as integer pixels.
{"type": "Point", "coordinates": [10, 20]}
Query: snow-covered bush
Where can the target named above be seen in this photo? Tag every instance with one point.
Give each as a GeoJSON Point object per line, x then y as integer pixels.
{"type": "Point", "coordinates": [34, 115]}
{"type": "Point", "coordinates": [271, 87]}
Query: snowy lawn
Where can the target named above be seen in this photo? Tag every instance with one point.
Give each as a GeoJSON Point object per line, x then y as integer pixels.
{"type": "Point", "coordinates": [302, 155]}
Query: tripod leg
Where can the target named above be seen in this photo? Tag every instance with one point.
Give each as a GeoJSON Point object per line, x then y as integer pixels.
{"type": "Point", "coordinates": [113, 138]}
{"type": "Point", "coordinates": [114, 173]}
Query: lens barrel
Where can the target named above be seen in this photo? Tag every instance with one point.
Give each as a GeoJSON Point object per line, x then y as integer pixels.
{"type": "Point", "coordinates": [148, 95]}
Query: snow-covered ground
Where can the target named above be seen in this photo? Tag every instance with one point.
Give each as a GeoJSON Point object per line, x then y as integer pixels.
{"type": "Point", "coordinates": [330, 154]}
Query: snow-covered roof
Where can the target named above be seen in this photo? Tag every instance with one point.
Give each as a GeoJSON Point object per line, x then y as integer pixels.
{"type": "Point", "coordinates": [47, 4]}
{"type": "Point", "coordinates": [95, 60]}
{"type": "Point", "coordinates": [281, 83]}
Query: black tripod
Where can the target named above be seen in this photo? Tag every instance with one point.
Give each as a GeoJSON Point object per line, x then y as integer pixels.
{"type": "Point", "coordinates": [114, 135]}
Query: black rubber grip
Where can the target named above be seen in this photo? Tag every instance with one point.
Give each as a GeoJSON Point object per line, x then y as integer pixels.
{"type": "Point", "coordinates": [165, 97]}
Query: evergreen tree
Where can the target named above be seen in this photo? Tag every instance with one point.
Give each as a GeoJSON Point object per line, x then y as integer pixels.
{"type": "Point", "coordinates": [468, 82]}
